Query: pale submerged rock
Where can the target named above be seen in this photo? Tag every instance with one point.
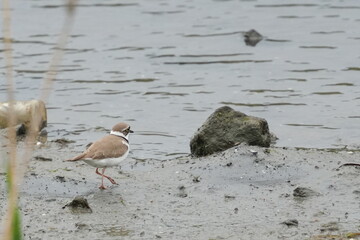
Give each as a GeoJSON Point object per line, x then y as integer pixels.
{"type": "Point", "coordinates": [25, 112]}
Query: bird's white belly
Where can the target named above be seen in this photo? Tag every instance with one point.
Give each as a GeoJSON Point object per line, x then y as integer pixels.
{"type": "Point", "coordinates": [106, 162]}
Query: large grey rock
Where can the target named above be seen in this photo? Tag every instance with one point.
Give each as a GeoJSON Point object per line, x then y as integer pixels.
{"type": "Point", "coordinates": [226, 128]}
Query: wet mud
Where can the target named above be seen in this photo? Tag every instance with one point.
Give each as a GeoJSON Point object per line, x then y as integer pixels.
{"type": "Point", "coordinates": [245, 192]}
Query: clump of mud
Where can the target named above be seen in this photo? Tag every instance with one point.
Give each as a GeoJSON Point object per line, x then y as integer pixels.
{"type": "Point", "coordinates": [79, 205]}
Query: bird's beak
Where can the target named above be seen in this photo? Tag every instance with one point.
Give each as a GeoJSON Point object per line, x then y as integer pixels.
{"type": "Point", "coordinates": [131, 131]}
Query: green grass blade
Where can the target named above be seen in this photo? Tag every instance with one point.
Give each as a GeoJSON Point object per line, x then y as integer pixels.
{"type": "Point", "coordinates": [16, 230]}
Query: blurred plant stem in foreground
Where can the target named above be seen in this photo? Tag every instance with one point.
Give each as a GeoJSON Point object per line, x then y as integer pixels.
{"type": "Point", "coordinates": [17, 165]}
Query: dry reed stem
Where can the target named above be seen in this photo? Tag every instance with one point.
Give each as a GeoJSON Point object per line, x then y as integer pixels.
{"type": "Point", "coordinates": [48, 81]}
{"type": "Point", "coordinates": [16, 170]}
{"type": "Point", "coordinates": [12, 168]}
{"type": "Point", "coordinates": [58, 50]}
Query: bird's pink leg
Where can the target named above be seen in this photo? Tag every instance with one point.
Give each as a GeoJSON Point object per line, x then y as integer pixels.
{"type": "Point", "coordinates": [110, 179]}
{"type": "Point", "coordinates": [102, 179]}
{"type": "Point", "coordinates": [103, 175]}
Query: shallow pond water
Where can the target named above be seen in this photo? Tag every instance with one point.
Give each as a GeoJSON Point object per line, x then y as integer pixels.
{"type": "Point", "coordinates": [165, 66]}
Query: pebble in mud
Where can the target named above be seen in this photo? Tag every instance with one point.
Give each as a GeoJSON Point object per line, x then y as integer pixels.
{"type": "Point", "coordinates": [182, 192]}
{"type": "Point", "coordinates": [44, 159]}
{"type": "Point", "coordinates": [291, 223]}
{"type": "Point", "coordinates": [196, 179]}
{"type": "Point", "coordinates": [60, 178]}
{"type": "Point", "coordinates": [229, 198]}
{"type": "Point", "coordinates": [79, 205]}
{"type": "Point", "coordinates": [303, 192]}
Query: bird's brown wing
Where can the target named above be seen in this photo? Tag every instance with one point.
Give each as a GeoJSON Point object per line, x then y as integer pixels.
{"type": "Point", "coordinates": [108, 147]}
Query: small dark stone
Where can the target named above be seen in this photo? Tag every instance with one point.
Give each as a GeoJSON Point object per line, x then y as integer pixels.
{"type": "Point", "coordinates": [60, 179]}
{"type": "Point", "coordinates": [229, 197]}
{"type": "Point", "coordinates": [182, 195]}
{"type": "Point", "coordinates": [285, 195]}
{"type": "Point", "coordinates": [79, 205]}
{"type": "Point", "coordinates": [229, 164]}
{"type": "Point", "coordinates": [357, 192]}
{"type": "Point", "coordinates": [302, 192]}
{"type": "Point", "coordinates": [44, 159]}
{"type": "Point", "coordinates": [291, 223]}
{"type": "Point", "coordinates": [252, 37]}
{"type": "Point", "coordinates": [182, 192]}
{"type": "Point", "coordinates": [196, 179]}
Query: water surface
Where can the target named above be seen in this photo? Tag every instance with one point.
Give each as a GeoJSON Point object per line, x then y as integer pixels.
{"type": "Point", "coordinates": [165, 66]}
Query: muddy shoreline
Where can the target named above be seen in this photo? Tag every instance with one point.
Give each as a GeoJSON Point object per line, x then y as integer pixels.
{"type": "Point", "coordinates": [237, 194]}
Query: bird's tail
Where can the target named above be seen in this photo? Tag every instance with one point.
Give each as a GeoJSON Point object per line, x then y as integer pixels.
{"type": "Point", "coordinates": [77, 158]}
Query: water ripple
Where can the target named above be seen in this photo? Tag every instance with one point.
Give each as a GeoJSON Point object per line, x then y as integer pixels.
{"type": "Point", "coordinates": [141, 80]}
{"type": "Point", "coordinates": [218, 62]}
{"type": "Point", "coordinates": [264, 104]}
